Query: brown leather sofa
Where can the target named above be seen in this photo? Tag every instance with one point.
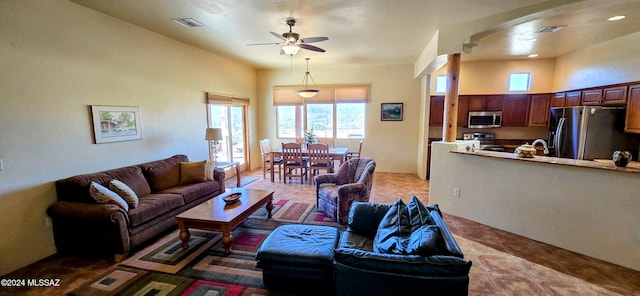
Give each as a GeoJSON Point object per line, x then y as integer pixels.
{"type": "Point", "coordinates": [80, 224]}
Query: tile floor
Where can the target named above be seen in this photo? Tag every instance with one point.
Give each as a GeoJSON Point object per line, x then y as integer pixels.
{"type": "Point", "coordinates": [503, 263]}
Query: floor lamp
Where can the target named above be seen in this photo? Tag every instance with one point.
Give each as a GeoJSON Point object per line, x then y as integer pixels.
{"type": "Point", "coordinates": [213, 135]}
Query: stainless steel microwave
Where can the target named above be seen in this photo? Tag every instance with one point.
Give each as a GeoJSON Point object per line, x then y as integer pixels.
{"type": "Point", "coordinates": [485, 119]}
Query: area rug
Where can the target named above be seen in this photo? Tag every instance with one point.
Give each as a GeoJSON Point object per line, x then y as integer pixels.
{"type": "Point", "coordinates": [164, 268]}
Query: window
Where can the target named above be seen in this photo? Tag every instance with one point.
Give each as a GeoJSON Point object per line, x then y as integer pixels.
{"type": "Point", "coordinates": [286, 120]}
{"type": "Point", "coordinates": [336, 112]}
{"type": "Point", "coordinates": [519, 81]}
{"type": "Point", "coordinates": [320, 119]}
{"type": "Point", "coordinates": [441, 83]}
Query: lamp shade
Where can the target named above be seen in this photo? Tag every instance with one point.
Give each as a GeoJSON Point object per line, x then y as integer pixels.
{"type": "Point", "coordinates": [213, 134]}
{"type": "Point", "coordinates": [290, 49]}
{"type": "Point", "coordinates": [308, 93]}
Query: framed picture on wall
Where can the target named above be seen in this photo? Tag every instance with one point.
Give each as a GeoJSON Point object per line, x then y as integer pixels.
{"type": "Point", "coordinates": [116, 123]}
{"type": "Point", "coordinates": [391, 111]}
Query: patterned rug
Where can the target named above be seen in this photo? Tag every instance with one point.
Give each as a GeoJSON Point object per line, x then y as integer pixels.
{"type": "Point", "coordinates": [164, 268]}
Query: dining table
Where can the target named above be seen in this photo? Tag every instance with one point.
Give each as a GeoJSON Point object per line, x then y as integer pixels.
{"type": "Point", "coordinates": [337, 153]}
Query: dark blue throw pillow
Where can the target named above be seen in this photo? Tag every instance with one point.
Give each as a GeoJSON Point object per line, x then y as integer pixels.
{"type": "Point", "coordinates": [393, 230]}
{"type": "Point", "coordinates": [418, 213]}
{"type": "Point", "coordinates": [423, 240]}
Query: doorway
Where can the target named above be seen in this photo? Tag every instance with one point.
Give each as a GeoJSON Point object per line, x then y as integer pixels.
{"type": "Point", "coordinates": [232, 120]}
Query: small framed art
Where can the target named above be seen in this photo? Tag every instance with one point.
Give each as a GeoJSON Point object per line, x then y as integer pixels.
{"type": "Point", "coordinates": [391, 111]}
{"type": "Point", "coordinates": [116, 123]}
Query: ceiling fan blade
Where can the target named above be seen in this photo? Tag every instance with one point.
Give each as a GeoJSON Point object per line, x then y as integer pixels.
{"type": "Point", "coordinates": [268, 43]}
{"type": "Point", "coordinates": [278, 36]}
{"type": "Point", "coordinates": [282, 52]}
{"type": "Point", "coordinates": [311, 47]}
{"type": "Point", "coordinates": [314, 39]}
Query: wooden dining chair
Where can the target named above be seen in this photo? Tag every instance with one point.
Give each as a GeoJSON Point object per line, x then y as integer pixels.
{"type": "Point", "coordinates": [319, 159]}
{"type": "Point", "coordinates": [293, 161]}
{"type": "Point", "coordinates": [265, 149]}
{"type": "Point", "coordinates": [352, 154]}
{"type": "Point", "coordinates": [328, 141]}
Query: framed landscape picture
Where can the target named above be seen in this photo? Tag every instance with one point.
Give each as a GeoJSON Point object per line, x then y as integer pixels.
{"type": "Point", "coordinates": [116, 123]}
{"type": "Point", "coordinates": [391, 111]}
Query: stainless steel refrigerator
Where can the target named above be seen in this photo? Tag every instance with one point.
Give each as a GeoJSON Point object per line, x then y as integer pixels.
{"type": "Point", "coordinates": [589, 132]}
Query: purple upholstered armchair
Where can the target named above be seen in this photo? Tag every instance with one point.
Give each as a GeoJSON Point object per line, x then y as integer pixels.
{"type": "Point", "coordinates": [352, 182]}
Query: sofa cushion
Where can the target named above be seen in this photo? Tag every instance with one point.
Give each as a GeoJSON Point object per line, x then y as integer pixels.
{"type": "Point", "coordinates": [418, 214]}
{"type": "Point", "coordinates": [152, 206]}
{"type": "Point", "coordinates": [328, 191]}
{"type": "Point", "coordinates": [76, 188]}
{"type": "Point", "coordinates": [133, 177]}
{"type": "Point", "coordinates": [194, 191]}
{"type": "Point", "coordinates": [192, 172]}
{"type": "Point", "coordinates": [423, 240]}
{"type": "Point", "coordinates": [393, 229]}
{"type": "Point", "coordinates": [414, 265]}
{"type": "Point", "coordinates": [125, 192]}
{"type": "Point", "coordinates": [162, 174]}
{"type": "Point", "coordinates": [102, 194]}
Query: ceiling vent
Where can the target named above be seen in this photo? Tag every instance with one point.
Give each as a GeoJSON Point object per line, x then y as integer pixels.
{"type": "Point", "coordinates": [551, 29]}
{"type": "Point", "coordinates": [189, 22]}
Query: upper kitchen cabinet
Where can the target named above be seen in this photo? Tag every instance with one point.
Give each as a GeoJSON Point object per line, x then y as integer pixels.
{"type": "Point", "coordinates": [592, 97]}
{"type": "Point", "coordinates": [558, 100]}
{"type": "Point", "coordinates": [614, 95]}
{"type": "Point", "coordinates": [436, 111]}
{"type": "Point", "coordinates": [572, 99]}
{"type": "Point", "coordinates": [539, 111]}
{"type": "Point", "coordinates": [632, 120]}
{"type": "Point", "coordinates": [485, 103]}
{"type": "Point", "coordinates": [515, 110]}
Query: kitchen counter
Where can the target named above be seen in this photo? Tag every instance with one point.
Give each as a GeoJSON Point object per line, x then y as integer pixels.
{"type": "Point", "coordinates": [633, 167]}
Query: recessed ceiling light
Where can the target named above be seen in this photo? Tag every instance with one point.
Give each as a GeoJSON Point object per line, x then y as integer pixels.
{"type": "Point", "coordinates": [616, 18]}
{"type": "Point", "coordinates": [189, 22]}
{"type": "Point", "coordinates": [535, 55]}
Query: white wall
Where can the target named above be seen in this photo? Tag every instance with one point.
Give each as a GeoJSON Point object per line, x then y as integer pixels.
{"type": "Point", "coordinates": [615, 61]}
{"type": "Point", "coordinates": [589, 211]}
{"type": "Point", "coordinates": [56, 59]}
{"type": "Point", "coordinates": [394, 145]}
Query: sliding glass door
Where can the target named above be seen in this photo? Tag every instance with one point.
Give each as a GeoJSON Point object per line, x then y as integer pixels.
{"type": "Point", "coordinates": [232, 121]}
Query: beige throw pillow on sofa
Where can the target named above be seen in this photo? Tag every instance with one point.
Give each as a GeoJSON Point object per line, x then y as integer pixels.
{"type": "Point", "coordinates": [192, 172]}
{"type": "Point", "coordinates": [103, 195]}
{"type": "Point", "coordinates": [125, 192]}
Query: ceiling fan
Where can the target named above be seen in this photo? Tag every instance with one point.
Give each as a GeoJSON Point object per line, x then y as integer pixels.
{"type": "Point", "coordinates": [291, 42]}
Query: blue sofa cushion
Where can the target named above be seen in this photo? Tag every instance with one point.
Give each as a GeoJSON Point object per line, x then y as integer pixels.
{"type": "Point", "coordinates": [393, 230]}
{"type": "Point", "coordinates": [418, 213]}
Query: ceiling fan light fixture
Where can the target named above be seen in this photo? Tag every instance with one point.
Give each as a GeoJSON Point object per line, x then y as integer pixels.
{"type": "Point", "coordinates": [306, 92]}
{"type": "Point", "coordinates": [290, 49]}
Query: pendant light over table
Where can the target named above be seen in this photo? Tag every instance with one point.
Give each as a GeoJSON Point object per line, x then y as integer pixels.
{"type": "Point", "coordinates": [306, 92]}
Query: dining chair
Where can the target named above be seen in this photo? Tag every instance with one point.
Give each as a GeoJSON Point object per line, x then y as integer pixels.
{"type": "Point", "coordinates": [319, 159]}
{"type": "Point", "coordinates": [352, 154]}
{"type": "Point", "coordinates": [265, 149]}
{"type": "Point", "coordinates": [293, 161]}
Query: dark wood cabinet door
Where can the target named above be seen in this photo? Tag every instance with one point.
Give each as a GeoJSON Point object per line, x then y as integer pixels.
{"type": "Point", "coordinates": [573, 99]}
{"type": "Point", "coordinates": [539, 111]}
{"type": "Point", "coordinates": [494, 103]}
{"type": "Point", "coordinates": [592, 97]}
{"type": "Point", "coordinates": [436, 110]}
{"type": "Point", "coordinates": [463, 110]}
{"type": "Point", "coordinates": [515, 110]}
{"type": "Point", "coordinates": [558, 100]}
{"type": "Point", "coordinates": [614, 95]}
{"type": "Point", "coordinates": [477, 103]}
{"type": "Point", "coordinates": [632, 120]}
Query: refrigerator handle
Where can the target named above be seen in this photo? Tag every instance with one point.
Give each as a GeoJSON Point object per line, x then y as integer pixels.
{"type": "Point", "coordinates": [556, 139]}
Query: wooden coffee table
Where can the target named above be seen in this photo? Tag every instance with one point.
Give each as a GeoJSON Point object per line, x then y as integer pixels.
{"type": "Point", "coordinates": [215, 214]}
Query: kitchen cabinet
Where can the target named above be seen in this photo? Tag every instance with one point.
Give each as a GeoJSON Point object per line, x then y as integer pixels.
{"type": "Point", "coordinates": [485, 103]}
{"type": "Point", "coordinates": [436, 111]}
{"type": "Point", "coordinates": [632, 120]}
{"type": "Point", "coordinates": [591, 97]}
{"type": "Point", "coordinates": [539, 110]}
{"type": "Point", "coordinates": [558, 100]}
{"type": "Point", "coordinates": [614, 95]}
{"type": "Point", "coordinates": [572, 99]}
{"type": "Point", "coordinates": [515, 110]}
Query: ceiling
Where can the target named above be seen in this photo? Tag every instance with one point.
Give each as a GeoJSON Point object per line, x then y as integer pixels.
{"type": "Point", "coordinates": [372, 31]}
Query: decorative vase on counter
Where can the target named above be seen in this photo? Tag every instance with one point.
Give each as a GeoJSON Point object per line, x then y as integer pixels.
{"type": "Point", "coordinates": [621, 158]}
{"type": "Point", "coordinates": [525, 151]}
